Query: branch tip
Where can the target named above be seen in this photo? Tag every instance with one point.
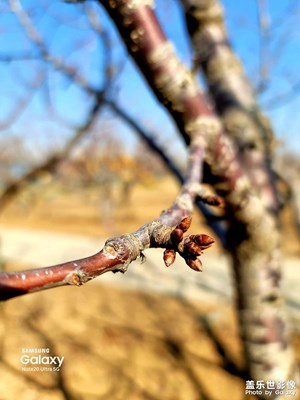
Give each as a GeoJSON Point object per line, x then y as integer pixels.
{"type": "Point", "coordinates": [204, 241]}
{"type": "Point", "coordinates": [190, 247]}
{"type": "Point", "coordinates": [196, 264]}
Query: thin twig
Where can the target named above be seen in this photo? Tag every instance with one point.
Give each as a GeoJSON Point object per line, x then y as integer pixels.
{"type": "Point", "coordinates": [264, 23]}
{"type": "Point", "coordinates": [211, 218]}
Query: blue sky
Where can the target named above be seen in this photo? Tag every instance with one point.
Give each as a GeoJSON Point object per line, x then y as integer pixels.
{"type": "Point", "coordinates": [65, 30]}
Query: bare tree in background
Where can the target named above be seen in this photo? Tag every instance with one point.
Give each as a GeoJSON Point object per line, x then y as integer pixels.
{"type": "Point", "coordinates": [229, 145]}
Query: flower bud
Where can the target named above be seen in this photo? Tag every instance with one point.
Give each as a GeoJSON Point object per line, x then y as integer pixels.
{"type": "Point", "coordinates": [185, 224]}
{"type": "Point", "coordinates": [196, 264]}
{"type": "Point", "coordinates": [169, 257]}
{"type": "Point", "coordinates": [193, 248]}
{"type": "Point", "coordinates": [204, 241]}
{"type": "Point", "coordinates": [176, 236]}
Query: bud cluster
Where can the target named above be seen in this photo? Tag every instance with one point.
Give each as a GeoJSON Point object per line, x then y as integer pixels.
{"type": "Point", "coordinates": [189, 247]}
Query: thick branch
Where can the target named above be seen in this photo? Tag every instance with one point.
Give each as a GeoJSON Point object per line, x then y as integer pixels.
{"type": "Point", "coordinates": [254, 235]}
{"type": "Point", "coordinates": [174, 85]}
{"type": "Point", "coordinates": [233, 95]}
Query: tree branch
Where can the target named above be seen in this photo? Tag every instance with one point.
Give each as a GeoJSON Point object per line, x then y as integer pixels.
{"type": "Point", "coordinates": [232, 93]}
{"type": "Point", "coordinates": [253, 235]}
{"type": "Point", "coordinates": [165, 232]}
{"type": "Point", "coordinates": [211, 218]}
{"type": "Point", "coordinates": [174, 85]}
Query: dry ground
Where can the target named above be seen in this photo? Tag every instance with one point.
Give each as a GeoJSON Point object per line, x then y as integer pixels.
{"type": "Point", "coordinates": [119, 344]}
{"type": "Point", "coordinates": [116, 343]}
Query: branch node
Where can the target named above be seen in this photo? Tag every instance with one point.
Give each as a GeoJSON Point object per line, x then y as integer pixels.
{"type": "Point", "coordinates": [76, 278]}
